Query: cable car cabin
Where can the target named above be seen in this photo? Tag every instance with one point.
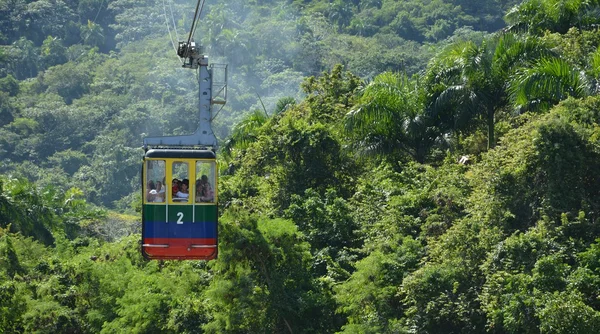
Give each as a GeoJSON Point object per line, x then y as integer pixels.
{"type": "Point", "coordinates": [180, 205]}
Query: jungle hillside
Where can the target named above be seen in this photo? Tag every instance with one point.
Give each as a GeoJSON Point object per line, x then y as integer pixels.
{"type": "Point", "coordinates": [385, 166]}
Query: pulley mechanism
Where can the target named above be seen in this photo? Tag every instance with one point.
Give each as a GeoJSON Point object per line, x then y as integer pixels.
{"type": "Point", "coordinates": [190, 53]}
{"type": "Point", "coordinates": [212, 89]}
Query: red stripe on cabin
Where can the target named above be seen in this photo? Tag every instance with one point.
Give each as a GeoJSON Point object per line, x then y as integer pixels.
{"type": "Point", "coordinates": [180, 248]}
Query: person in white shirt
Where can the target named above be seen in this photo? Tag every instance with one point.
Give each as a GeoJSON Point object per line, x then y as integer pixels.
{"type": "Point", "coordinates": [160, 193]}
{"type": "Point", "coordinates": [184, 192]}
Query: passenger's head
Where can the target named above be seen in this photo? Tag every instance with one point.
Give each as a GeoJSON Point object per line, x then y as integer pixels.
{"type": "Point", "coordinates": [185, 184]}
{"type": "Point", "coordinates": [204, 178]}
{"type": "Point", "coordinates": [175, 182]}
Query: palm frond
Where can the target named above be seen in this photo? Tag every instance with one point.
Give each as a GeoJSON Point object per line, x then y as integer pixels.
{"type": "Point", "coordinates": [245, 132]}
{"type": "Point", "coordinates": [389, 113]}
{"type": "Point", "coordinates": [549, 80]}
{"type": "Point", "coordinates": [513, 51]}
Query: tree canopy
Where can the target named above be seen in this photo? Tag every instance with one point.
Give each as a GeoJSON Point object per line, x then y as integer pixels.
{"type": "Point", "coordinates": [385, 166]}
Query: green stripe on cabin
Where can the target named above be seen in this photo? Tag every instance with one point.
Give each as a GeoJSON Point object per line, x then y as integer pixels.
{"type": "Point", "coordinates": [157, 213]}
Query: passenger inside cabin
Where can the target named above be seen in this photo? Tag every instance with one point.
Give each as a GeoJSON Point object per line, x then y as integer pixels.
{"type": "Point", "coordinates": [204, 192]}
{"type": "Point", "coordinates": [160, 193]}
{"type": "Point", "coordinates": [183, 189]}
{"type": "Point", "coordinates": [174, 187]}
{"type": "Point", "coordinates": [150, 191]}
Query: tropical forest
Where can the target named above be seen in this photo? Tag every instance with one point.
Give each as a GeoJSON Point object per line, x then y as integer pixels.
{"type": "Point", "coordinates": [384, 166]}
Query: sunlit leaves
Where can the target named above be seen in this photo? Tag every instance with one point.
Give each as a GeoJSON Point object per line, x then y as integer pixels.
{"type": "Point", "coordinates": [331, 94]}
{"type": "Point", "coordinates": [263, 279]}
{"type": "Point", "coordinates": [566, 312]}
{"type": "Point", "coordinates": [12, 307]}
{"type": "Point", "coordinates": [371, 296]}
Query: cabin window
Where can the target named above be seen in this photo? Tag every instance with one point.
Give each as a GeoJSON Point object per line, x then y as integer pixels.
{"type": "Point", "coordinates": [155, 181]}
{"type": "Point", "coordinates": [205, 182]}
{"type": "Point", "coordinates": [180, 183]}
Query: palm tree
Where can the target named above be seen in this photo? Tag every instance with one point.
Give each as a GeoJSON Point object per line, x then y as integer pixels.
{"type": "Point", "coordinates": [23, 209]}
{"type": "Point", "coordinates": [467, 82]}
{"type": "Point", "coordinates": [389, 116]}
{"type": "Point", "coordinates": [284, 104]}
{"type": "Point", "coordinates": [545, 83]}
{"type": "Point", "coordinates": [92, 34]}
{"type": "Point", "coordinates": [538, 16]}
{"type": "Point", "coordinates": [245, 132]}
{"type": "Point", "coordinates": [340, 12]}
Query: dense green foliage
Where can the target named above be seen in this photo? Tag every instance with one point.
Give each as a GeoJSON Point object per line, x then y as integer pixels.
{"type": "Point", "coordinates": [343, 204]}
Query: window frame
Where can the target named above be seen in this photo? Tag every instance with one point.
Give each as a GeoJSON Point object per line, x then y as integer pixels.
{"type": "Point", "coordinates": [213, 181]}
{"type": "Point", "coordinates": [190, 167]}
{"type": "Point", "coordinates": [146, 179]}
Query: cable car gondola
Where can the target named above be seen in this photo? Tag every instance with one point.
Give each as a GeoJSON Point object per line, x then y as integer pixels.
{"type": "Point", "coordinates": [179, 178]}
{"type": "Point", "coordinates": [180, 204]}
